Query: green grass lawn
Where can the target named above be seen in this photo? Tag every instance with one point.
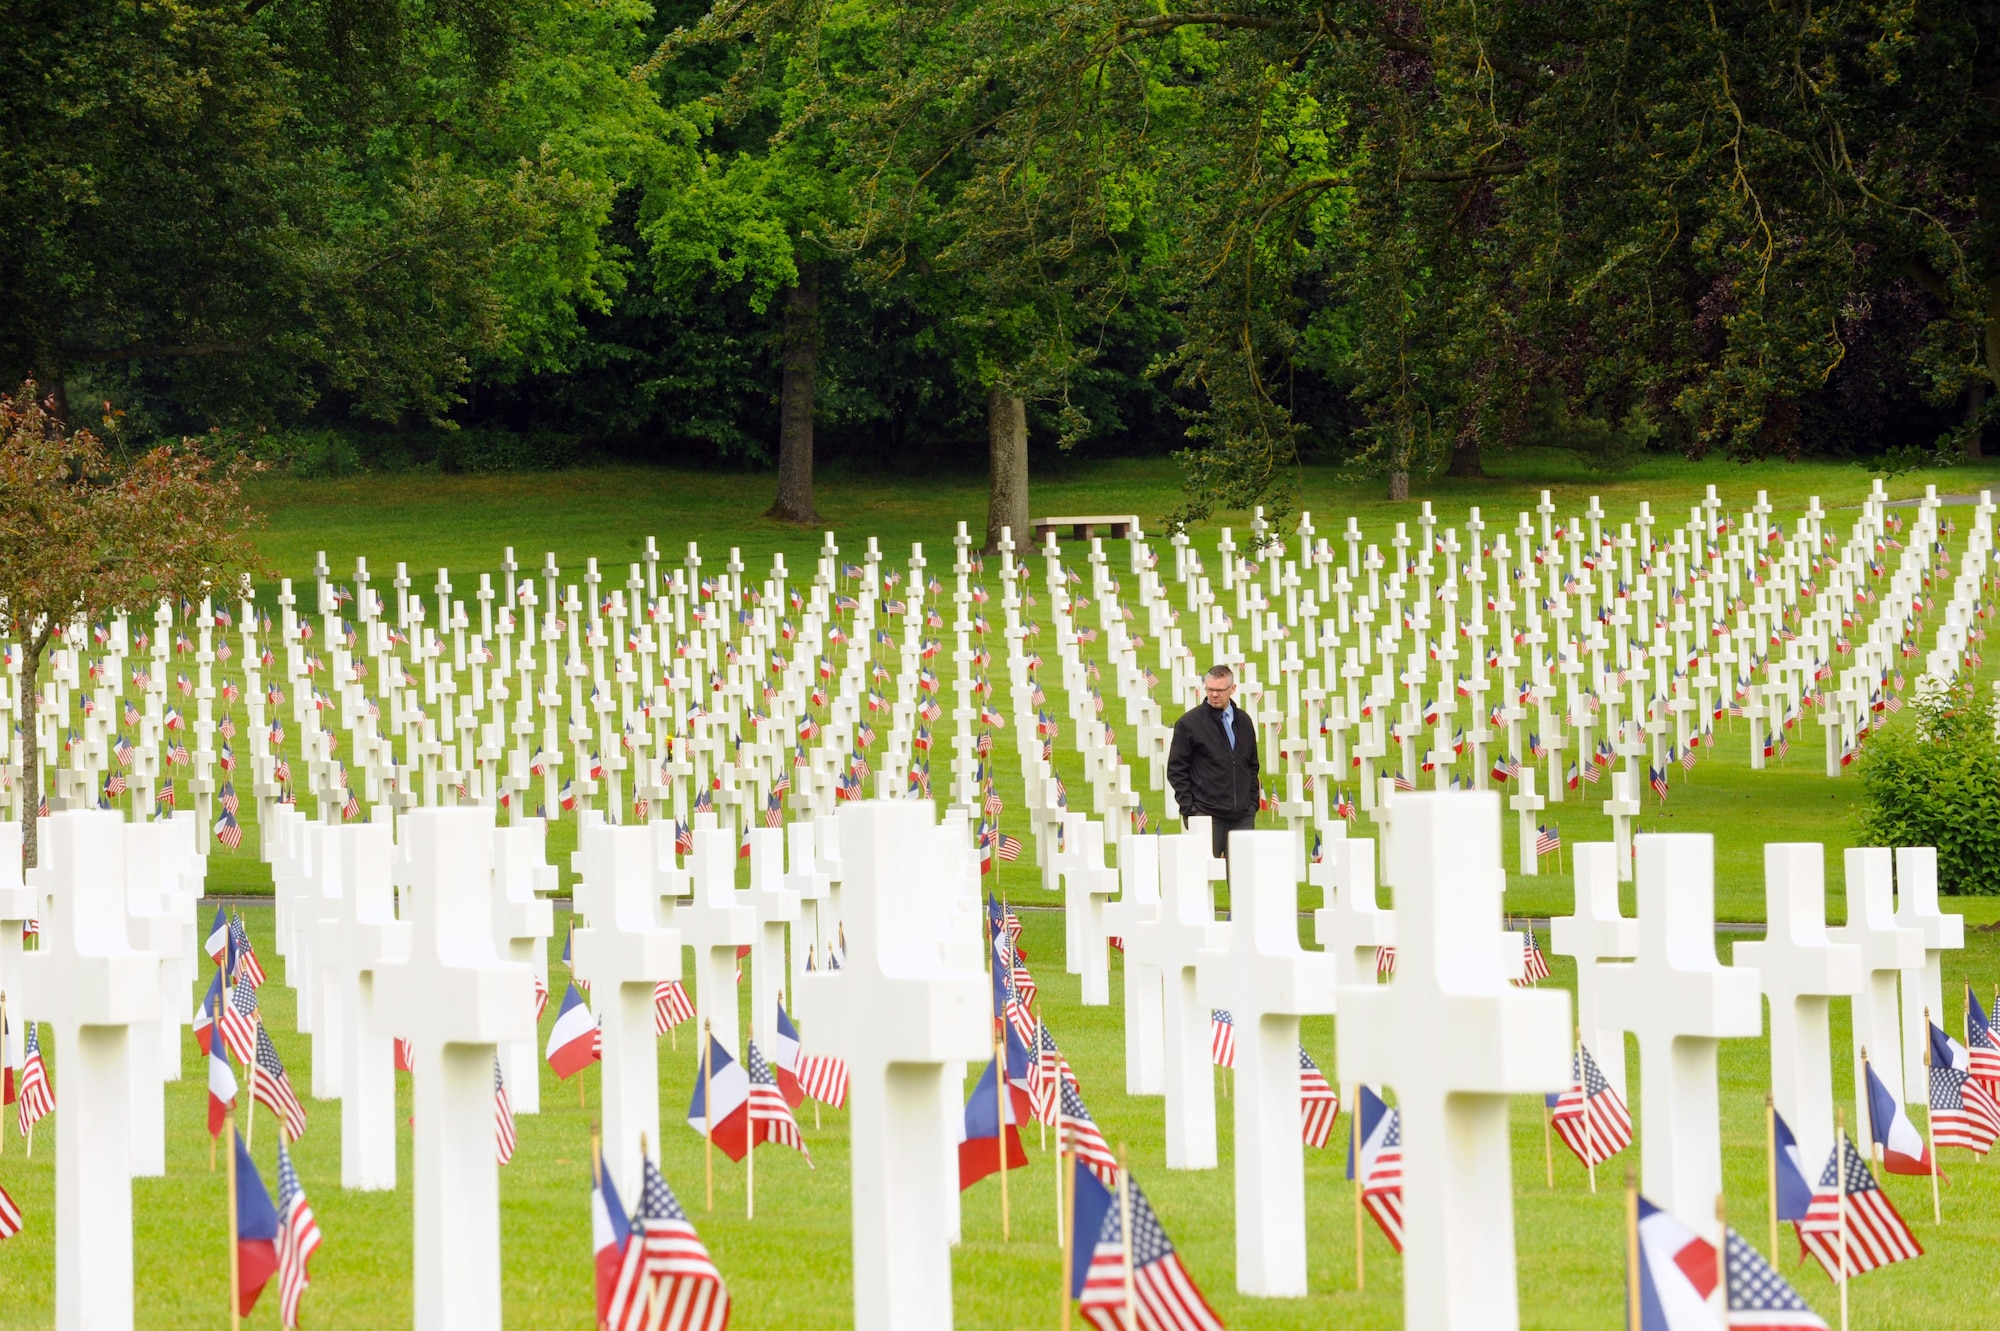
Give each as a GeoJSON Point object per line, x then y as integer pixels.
{"type": "Point", "coordinates": [792, 1264]}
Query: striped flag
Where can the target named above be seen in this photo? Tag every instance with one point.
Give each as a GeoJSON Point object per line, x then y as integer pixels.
{"type": "Point", "coordinates": [1221, 1038]}
{"type": "Point", "coordinates": [298, 1238]}
{"type": "Point", "coordinates": [246, 966]}
{"type": "Point", "coordinates": [1534, 965]}
{"type": "Point", "coordinates": [1759, 1298]}
{"type": "Point", "coordinates": [1077, 1133]}
{"type": "Point", "coordinates": [1876, 1234]}
{"type": "Point", "coordinates": [273, 1089]}
{"type": "Point", "coordinates": [10, 1216]}
{"type": "Point", "coordinates": [35, 1097]}
{"type": "Point", "coordinates": [1380, 1130]}
{"type": "Point", "coordinates": [504, 1138]}
{"type": "Point", "coordinates": [1548, 840]}
{"type": "Point", "coordinates": [1590, 1117]}
{"type": "Point", "coordinates": [237, 1021]}
{"type": "Point", "coordinates": [1962, 1110]}
{"type": "Point", "coordinates": [666, 1278]}
{"type": "Point", "coordinates": [1385, 960]}
{"type": "Point", "coordinates": [1319, 1103]}
{"type": "Point", "coordinates": [1167, 1297]}
{"type": "Point", "coordinates": [770, 1117]}
{"type": "Point", "coordinates": [671, 1006]}
{"type": "Point", "coordinates": [824, 1078]}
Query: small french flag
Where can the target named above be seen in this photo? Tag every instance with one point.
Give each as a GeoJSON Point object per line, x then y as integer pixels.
{"type": "Point", "coordinates": [573, 1039]}
{"type": "Point", "coordinates": [221, 1085]}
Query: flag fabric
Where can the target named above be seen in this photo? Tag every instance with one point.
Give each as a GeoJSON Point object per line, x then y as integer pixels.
{"type": "Point", "coordinates": [238, 1021]}
{"type": "Point", "coordinates": [1077, 1133]}
{"type": "Point", "coordinates": [609, 1231]}
{"type": "Point", "coordinates": [1319, 1103]}
{"type": "Point", "coordinates": [1590, 1117]}
{"type": "Point", "coordinates": [824, 1078]}
{"type": "Point", "coordinates": [1759, 1298]}
{"type": "Point", "coordinates": [720, 1109]}
{"type": "Point", "coordinates": [1982, 1045]}
{"type": "Point", "coordinates": [671, 1006]}
{"type": "Point", "coordinates": [1795, 1190]}
{"type": "Point", "coordinates": [1385, 960]}
{"type": "Point", "coordinates": [273, 1089]}
{"type": "Point", "coordinates": [221, 1084]}
{"type": "Point", "coordinates": [35, 1098]}
{"type": "Point", "coordinates": [1876, 1232]}
{"type": "Point", "coordinates": [573, 1039]}
{"type": "Point", "coordinates": [1903, 1148]}
{"type": "Point", "coordinates": [298, 1238]}
{"type": "Point", "coordinates": [1534, 965]}
{"type": "Point", "coordinates": [504, 1138]}
{"type": "Point", "coordinates": [1962, 1111]}
{"type": "Point", "coordinates": [204, 1016]}
{"type": "Point", "coordinates": [256, 1231]}
{"type": "Point", "coordinates": [1548, 840]}
{"type": "Point", "coordinates": [770, 1115]}
{"type": "Point", "coordinates": [989, 1125]}
{"type": "Point", "coordinates": [665, 1279]}
{"type": "Point", "coordinates": [1677, 1273]}
{"type": "Point", "coordinates": [246, 966]}
{"type": "Point", "coordinates": [217, 943]}
{"type": "Point", "coordinates": [11, 1222]}
{"type": "Point", "coordinates": [1381, 1164]}
{"type": "Point", "coordinates": [1166, 1296]}
{"type": "Point", "coordinates": [1221, 1038]}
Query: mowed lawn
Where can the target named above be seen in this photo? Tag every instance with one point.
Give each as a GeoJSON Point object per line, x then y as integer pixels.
{"type": "Point", "coordinates": [791, 1266]}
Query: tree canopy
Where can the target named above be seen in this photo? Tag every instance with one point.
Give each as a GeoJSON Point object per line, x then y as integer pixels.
{"type": "Point", "coordinates": [1399, 237]}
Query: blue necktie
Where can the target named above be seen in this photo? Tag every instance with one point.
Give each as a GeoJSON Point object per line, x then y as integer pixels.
{"type": "Point", "coordinates": [1229, 724]}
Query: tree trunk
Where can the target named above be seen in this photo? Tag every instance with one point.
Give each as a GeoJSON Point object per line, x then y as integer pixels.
{"type": "Point", "coordinates": [1465, 462]}
{"type": "Point", "coordinates": [31, 764]}
{"type": "Point", "coordinates": [1399, 483]}
{"type": "Point", "coordinates": [1007, 442]}
{"type": "Point", "coordinates": [795, 404]}
{"type": "Point", "coordinates": [1975, 406]}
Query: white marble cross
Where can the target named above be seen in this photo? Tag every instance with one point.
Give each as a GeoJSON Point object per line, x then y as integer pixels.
{"type": "Point", "coordinates": [623, 952]}
{"type": "Point", "coordinates": [1351, 926]}
{"type": "Point", "coordinates": [813, 888]}
{"type": "Point", "coordinates": [777, 907]}
{"type": "Point", "coordinates": [17, 906]}
{"type": "Point", "coordinates": [1888, 949]}
{"type": "Point", "coordinates": [1800, 971]}
{"type": "Point", "coordinates": [1681, 1003]}
{"type": "Point", "coordinates": [523, 922]}
{"type": "Point", "coordinates": [455, 1000]}
{"type": "Point", "coordinates": [155, 921]}
{"type": "Point", "coordinates": [1138, 909]}
{"type": "Point", "coordinates": [1454, 1040]}
{"type": "Point", "coordinates": [88, 982]}
{"type": "Point", "coordinates": [1185, 937]}
{"type": "Point", "coordinates": [1598, 931]}
{"type": "Point", "coordinates": [716, 921]}
{"type": "Point", "coordinates": [898, 1016]}
{"type": "Point", "coordinates": [1622, 808]}
{"type": "Point", "coordinates": [369, 936]}
{"type": "Point", "coordinates": [1526, 804]}
{"type": "Point", "coordinates": [1266, 982]}
{"type": "Point", "coordinates": [1917, 908]}
{"type": "Point", "coordinates": [1087, 885]}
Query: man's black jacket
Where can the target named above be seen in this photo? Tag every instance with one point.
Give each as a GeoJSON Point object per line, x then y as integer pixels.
{"type": "Point", "coordinates": [1207, 775]}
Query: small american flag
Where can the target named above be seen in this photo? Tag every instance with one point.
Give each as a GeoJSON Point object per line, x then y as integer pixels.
{"type": "Point", "coordinates": [1381, 1165]}
{"type": "Point", "coordinates": [1590, 1117]}
{"type": "Point", "coordinates": [1385, 960]}
{"type": "Point", "coordinates": [504, 1138]}
{"type": "Point", "coordinates": [1167, 1297]}
{"type": "Point", "coordinates": [1548, 840]}
{"type": "Point", "coordinates": [1319, 1103]}
{"type": "Point", "coordinates": [667, 1279]}
{"type": "Point", "coordinates": [1759, 1298]}
{"type": "Point", "coordinates": [671, 1006]}
{"type": "Point", "coordinates": [245, 966]}
{"type": "Point", "coordinates": [1534, 966]}
{"type": "Point", "coordinates": [298, 1238]}
{"type": "Point", "coordinates": [273, 1089]}
{"type": "Point", "coordinates": [1221, 1038]}
{"type": "Point", "coordinates": [770, 1117]}
{"type": "Point", "coordinates": [238, 1022]}
{"type": "Point", "coordinates": [37, 1098]}
{"type": "Point", "coordinates": [824, 1078]}
{"type": "Point", "coordinates": [1963, 1112]}
{"type": "Point", "coordinates": [10, 1216]}
{"type": "Point", "coordinates": [1876, 1233]}
{"type": "Point", "coordinates": [1077, 1133]}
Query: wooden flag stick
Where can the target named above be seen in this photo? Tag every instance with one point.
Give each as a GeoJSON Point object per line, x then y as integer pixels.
{"type": "Point", "coordinates": [750, 1166]}
{"type": "Point", "coordinates": [235, 1272]}
{"type": "Point", "coordinates": [1840, 1182]}
{"type": "Point", "coordinates": [1066, 1225]}
{"type": "Point", "coordinates": [1771, 1167]}
{"type": "Point", "coordinates": [707, 1112]}
{"type": "Point", "coordinates": [1000, 1126]}
{"type": "Point", "coordinates": [1633, 1313]}
{"type": "Point", "coordinates": [1125, 1217]}
{"type": "Point", "coordinates": [1930, 1127]}
{"type": "Point", "coordinates": [1360, 1219]}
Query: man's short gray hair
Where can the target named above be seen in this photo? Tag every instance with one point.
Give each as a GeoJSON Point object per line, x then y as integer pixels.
{"type": "Point", "coordinates": [1220, 671]}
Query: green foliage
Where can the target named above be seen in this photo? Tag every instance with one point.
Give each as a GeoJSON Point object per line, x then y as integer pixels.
{"type": "Point", "coordinates": [1933, 779]}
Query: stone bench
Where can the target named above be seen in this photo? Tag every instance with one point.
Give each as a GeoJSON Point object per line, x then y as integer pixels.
{"type": "Point", "coordinates": [1083, 528]}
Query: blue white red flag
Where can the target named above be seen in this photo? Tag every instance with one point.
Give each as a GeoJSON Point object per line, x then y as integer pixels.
{"type": "Point", "coordinates": [720, 1109]}
{"type": "Point", "coordinates": [1677, 1273]}
{"type": "Point", "coordinates": [256, 1231]}
{"type": "Point", "coordinates": [572, 1043]}
{"type": "Point", "coordinates": [989, 1125]}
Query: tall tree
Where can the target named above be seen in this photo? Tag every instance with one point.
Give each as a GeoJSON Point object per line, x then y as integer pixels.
{"type": "Point", "coordinates": [85, 532]}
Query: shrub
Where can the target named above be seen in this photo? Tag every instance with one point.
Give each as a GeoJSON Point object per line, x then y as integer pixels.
{"type": "Point", "coordinates": [1933, 779]}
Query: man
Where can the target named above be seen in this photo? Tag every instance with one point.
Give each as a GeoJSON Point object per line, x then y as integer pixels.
{"type": "Point", "coordinates": [1212, 765]}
